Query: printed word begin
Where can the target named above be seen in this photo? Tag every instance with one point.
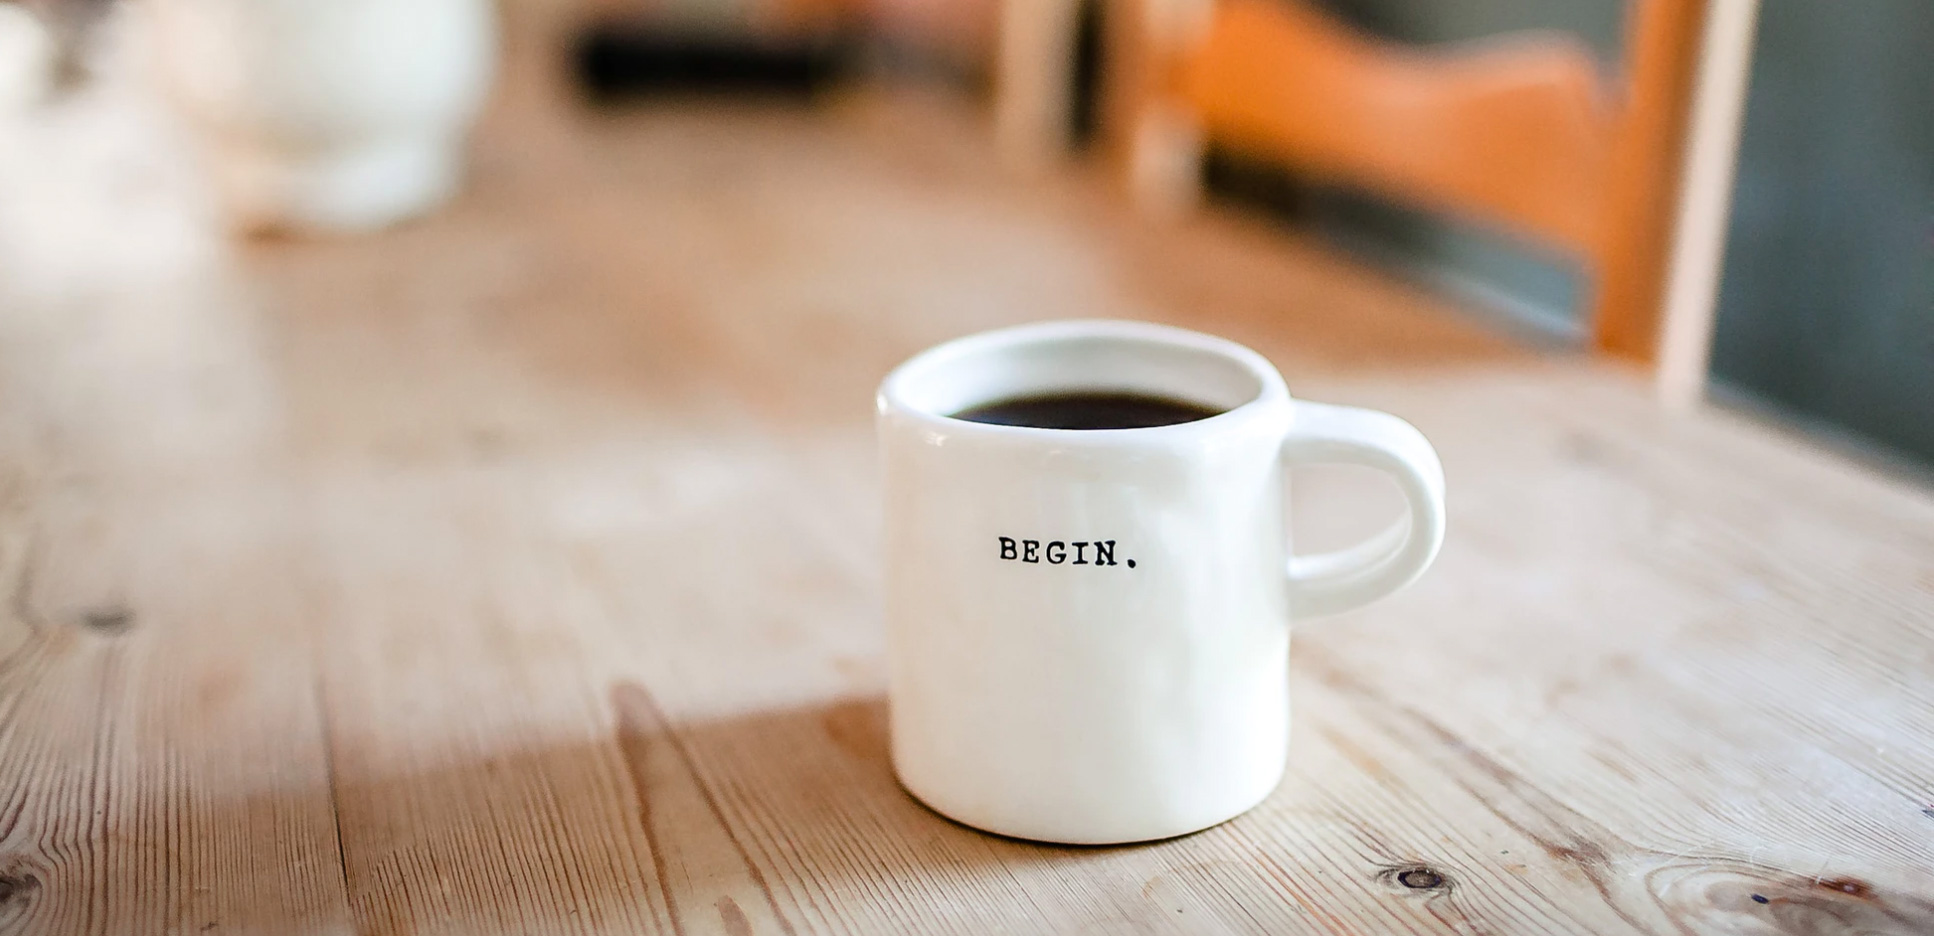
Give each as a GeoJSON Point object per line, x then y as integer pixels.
{"type": "Point", "coordinates": [1056, 552]}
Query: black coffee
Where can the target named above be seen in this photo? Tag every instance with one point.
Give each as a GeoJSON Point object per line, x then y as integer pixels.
{"type": "Point", "coordinates": [1088, 409]}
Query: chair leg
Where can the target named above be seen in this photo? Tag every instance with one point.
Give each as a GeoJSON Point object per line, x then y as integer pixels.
{"type": "Point", "coordinates": [1156, 141]}
{"type": "Point", "coordinates": [1033, 83]}
{"type": "Point", "coordinates": [1165, 161]}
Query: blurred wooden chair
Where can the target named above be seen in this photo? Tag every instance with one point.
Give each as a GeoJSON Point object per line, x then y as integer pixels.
{"type": "Point", "coordinates": [1522, 132]}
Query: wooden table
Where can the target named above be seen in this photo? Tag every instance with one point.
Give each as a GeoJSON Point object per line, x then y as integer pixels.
{"type": "Point", "coordinates": [515, 571]}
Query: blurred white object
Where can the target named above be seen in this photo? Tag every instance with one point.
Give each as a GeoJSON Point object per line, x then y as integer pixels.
{"type": "Point", "coordinates": [335, 115]}
{"type": "Point", "coordinates": [26, 57]}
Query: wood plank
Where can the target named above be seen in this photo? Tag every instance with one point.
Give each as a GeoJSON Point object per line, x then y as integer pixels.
{"type": "Point", "coordinates": [162, 759]}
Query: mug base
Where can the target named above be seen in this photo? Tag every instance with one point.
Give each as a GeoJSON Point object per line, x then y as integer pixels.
{"type": "Point", "coordinates": [363, 186]}
{"type": "Point", "coordinates": [1123, 835]}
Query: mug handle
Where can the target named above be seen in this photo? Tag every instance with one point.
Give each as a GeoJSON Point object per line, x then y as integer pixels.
{"type": "Point", "coordinates": [1333, 582]}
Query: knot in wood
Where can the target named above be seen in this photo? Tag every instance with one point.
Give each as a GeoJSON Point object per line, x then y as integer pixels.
{"type": "Point", "coordinates": [1420, 877]}
{"type": "Point", "coordinates": [107, 619]}
{"type": "Point", "coordinates": [16, 887]}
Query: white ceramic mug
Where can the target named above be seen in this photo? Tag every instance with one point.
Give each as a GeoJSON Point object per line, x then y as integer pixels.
{"type": "Point", "coordinates": [1141, 692]}
{"type": "Point", "coordinates": [333, 115]}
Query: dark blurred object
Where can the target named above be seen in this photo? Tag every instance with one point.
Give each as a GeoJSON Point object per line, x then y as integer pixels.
{"type": "Point", "coordinates": [1244, 178]}
{"type": "Point", "coordinates": [69, 22]}
{"type": "Point", "coordinates": [1826, 310]}
{"type": "Point", "coordinates": [620, 59]}
{"type": "Point", "coordinates": [1084, 109]}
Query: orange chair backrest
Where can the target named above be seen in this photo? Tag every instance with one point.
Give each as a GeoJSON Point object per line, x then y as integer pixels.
{"type": "Point", "coordinates": [1522, 131]}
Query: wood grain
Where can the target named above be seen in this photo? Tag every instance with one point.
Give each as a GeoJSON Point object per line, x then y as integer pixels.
{"type": "Point", "coordinates": [515, 571]}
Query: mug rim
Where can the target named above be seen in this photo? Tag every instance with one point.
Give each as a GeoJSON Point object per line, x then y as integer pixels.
{"type": "Point", "coordinates": [1271, 394]}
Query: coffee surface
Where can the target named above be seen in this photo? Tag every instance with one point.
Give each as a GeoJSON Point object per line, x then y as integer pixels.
{"type": "Point", "coordinates": [1088, 409]}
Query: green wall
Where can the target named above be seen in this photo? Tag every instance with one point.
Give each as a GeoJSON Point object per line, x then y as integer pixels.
{"type": "Point", "coordinates": [1827, 304]}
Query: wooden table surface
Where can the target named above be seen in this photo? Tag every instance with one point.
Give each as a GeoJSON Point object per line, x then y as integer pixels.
{"type": "Point", "coordinates": [516, 571]}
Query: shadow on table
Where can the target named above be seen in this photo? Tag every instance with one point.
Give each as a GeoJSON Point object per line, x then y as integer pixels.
{"type": "Point", "coordinates": [790, 820]}
{"type": "Point", "coordinates": [811, 787]}
{"type": "Point", "coordinates": [774, 821]}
